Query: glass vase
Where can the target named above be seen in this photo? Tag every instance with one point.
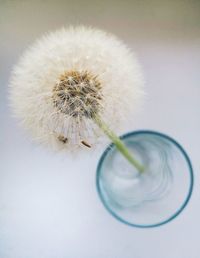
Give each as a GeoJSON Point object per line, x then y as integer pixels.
{"type": "Point", "coordinates": [150, 198]}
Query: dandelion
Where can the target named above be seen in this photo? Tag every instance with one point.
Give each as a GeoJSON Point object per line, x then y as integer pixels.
{"type": "Point", "coordinates": [75, 85]}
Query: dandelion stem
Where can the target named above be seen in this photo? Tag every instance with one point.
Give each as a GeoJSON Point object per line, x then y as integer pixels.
{"type": "Point", "coordinates": [119, 144]}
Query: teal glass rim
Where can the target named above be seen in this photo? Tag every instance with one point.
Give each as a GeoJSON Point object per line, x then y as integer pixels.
{"type": "Point", "coordinates": [189, 194]}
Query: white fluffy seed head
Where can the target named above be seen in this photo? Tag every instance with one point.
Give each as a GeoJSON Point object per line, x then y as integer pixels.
{"type": "Point", "coordinates": [66, 78]}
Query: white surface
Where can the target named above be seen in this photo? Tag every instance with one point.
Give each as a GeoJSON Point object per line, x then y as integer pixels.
{"type": "Point", "coordinates": [49, 206]}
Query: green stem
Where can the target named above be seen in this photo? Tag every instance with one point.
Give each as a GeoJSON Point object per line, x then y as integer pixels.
{"type": "Point", "coordinates": [119, 144]}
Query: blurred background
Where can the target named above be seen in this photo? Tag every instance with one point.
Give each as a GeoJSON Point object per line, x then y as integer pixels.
{"type": "Point", "coordinates": [49, 207]}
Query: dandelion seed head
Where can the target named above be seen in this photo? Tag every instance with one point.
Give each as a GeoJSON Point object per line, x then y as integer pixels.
{"type": "Point", "coordinates": [69, 76]}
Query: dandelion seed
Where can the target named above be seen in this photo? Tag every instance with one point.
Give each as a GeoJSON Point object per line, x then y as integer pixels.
{"type": "Point", "coordinates": [86, 144]}
{"type": "Point", "coordinates": [62, 138]}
